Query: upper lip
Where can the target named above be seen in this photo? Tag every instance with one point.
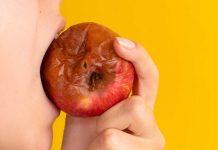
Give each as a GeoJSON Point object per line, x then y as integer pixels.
{"type": "Point", "coordinates": [61, 25]}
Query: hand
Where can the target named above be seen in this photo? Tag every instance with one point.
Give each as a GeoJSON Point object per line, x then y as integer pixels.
{"type": "Point", "coordinates": [128, 125]}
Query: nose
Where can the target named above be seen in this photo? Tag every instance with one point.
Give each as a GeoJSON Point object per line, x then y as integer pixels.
{"type": "Point", "coordinates": [56, 3]}
{"type": "Point", "coordinates": [60, 1]}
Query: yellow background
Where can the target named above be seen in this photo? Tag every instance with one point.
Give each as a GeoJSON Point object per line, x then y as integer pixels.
{"type": "Point", "coordinates": [182, 38]}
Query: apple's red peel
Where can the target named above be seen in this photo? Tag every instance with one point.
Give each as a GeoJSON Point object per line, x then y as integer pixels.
{"type": "Point", "coordinates": [81, 72]}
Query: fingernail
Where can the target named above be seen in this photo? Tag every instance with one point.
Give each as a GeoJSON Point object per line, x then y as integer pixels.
{"type": "Point", "coordinates": [126, 43]}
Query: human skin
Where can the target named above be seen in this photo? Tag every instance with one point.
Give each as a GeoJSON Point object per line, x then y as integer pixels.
{"type": "Point", "coordinates": [27, 27]}
{"type": "Point", "coordinates": [130, 124]}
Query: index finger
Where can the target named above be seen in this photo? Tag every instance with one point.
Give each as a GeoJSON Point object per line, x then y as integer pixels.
{"type": "Point", "coordinates": [146, 83]}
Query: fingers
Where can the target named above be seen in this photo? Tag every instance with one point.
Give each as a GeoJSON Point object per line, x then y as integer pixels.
{"type": "Point", "coordinates": [146, 84]}
{"type": "Point", "coordinates": [131, 114]}
{"type": "Point", "coordinates": [113, 139]}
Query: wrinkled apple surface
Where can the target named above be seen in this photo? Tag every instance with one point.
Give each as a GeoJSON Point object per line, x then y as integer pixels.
{"type": "Point", "coordinates": [82, 74]}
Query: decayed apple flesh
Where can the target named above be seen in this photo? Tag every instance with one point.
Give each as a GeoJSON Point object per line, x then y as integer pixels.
{"type": "Point", "coordinates": [81, 72]}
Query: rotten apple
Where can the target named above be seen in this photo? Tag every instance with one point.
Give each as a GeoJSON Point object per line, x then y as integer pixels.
{"type": "Point", "coordinates": [82, 74]}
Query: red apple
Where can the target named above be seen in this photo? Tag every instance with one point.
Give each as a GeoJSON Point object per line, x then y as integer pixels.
{"type": "Point", "coordinates": [81, 72]}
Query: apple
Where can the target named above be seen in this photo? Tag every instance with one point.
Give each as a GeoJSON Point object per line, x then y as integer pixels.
{"type": "Point", "coordinates": [82, 74]}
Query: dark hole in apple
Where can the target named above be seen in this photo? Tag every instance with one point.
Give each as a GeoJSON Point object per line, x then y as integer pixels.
{"type": "Point", "coordinates": [95, 76]}
{"type": "Point", "coordinates": [85, 65]}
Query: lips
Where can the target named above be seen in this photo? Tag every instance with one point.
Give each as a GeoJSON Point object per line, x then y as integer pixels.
{"type": "Point", "coordinates": [61, 23]}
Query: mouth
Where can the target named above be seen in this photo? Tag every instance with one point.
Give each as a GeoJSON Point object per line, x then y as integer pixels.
{"type": "Point", "coordinates": [57, 34]}
{"type": "Point", "coordinates": [60, 27]}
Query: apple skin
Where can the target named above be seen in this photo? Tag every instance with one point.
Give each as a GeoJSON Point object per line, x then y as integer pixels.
{"type": "Point", "coordinates": [82, 74]}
